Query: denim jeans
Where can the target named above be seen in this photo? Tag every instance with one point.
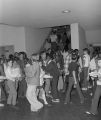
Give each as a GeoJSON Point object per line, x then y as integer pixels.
{"type": "Point", "coordinates": [70, 86]}
{"type": "Point", "coordinates": [95, 100]}
{"type": "Point", "coordinates": [32, 98]}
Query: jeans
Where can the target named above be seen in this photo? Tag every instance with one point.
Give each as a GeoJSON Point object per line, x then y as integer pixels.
{"type": "Point", "coordinates": [95, 100]}
{"type": "Point", "coordinates": [54, 88]}
{"type": "Point", "coordinates": [68, 93]}
{"type": "Point", "coordinates": [85, 75]}
{"type": "Point", "coordinates": [22, 86]}
{"type": "Point", "coordinates": [12, 93]}
{"type": "Point", "coordinates": [47, 86]}
{"type": "Point", "coordinates": [32, 98]}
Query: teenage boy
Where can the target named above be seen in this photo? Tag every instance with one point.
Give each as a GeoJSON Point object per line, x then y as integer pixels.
{"type": "Point", "coordinates": [73, 71]}
{"type": "Point", "coordinates": [97, 95]}
{"type": "Point", "coordinates": [53, 70]}
{"type": "Point", "coordinates": [86, 63]}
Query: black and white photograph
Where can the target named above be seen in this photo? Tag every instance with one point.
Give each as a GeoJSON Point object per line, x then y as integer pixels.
{"type": "Point", "coordinates": [50, 59]}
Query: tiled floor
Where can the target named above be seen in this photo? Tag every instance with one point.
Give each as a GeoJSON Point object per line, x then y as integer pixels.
{"type": "Point", "coordinates": [57, 111]}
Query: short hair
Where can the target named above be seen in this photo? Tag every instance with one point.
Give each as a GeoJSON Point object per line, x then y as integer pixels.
{"type": "Point", "coordinates": [99, 58]}
{"type": "Point", "coordinates": [74, 55]}
{"type": "Point", "coordinates": [48, 55]}
{"type": "Point", "coordinates": [94, 54]}
{"type": "Point", "coordinates": [11, 56]}
{"type": "Point", "coordinates": [87, 50]}
{"type": "Point", "coordinates": [42, 52]}
{"type": "Point", "coordinates": [34, 54]}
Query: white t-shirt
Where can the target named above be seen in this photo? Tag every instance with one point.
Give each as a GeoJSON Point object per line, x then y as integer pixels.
{"type": "Point", "coordinates": [99, 77]}
{"type": "Point", "coordinates": [12, 73]}
{"type": "Point", "coordinates": [53, 38]}
{"type": "Point", "coordinates": [86, 60]}
{"type": "Point", "coordinates": [92, 64]}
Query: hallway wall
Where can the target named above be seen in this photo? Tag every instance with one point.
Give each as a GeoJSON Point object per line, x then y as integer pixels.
{"type": "Point", "coordinates": [93, 36]}
{"type": "Point", "coordinates": [10, 35]}
{"type": "Point", "coordinates": [82, 39]}
{"type": "Point", "coordinates": [78, 37]}
{"type": "Point", "coordinates": [74, 36]}
{"type": "Point", "coordinates": [23, 38]}
{"type": "Point", "coordinates": [34, 39]}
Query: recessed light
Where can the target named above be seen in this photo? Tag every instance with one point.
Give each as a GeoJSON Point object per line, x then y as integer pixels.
{"type": "Point", "coordinates": [66, 11]}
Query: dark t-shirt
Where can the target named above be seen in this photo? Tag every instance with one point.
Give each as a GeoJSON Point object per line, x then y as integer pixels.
{"type": "Point", "coordinates": [73, 66]}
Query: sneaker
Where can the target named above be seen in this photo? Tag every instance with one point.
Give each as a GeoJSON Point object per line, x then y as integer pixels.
{"type": "Point", "coordinates": [49, 96]}
{"type": "Point", "coordinates": [48, 105]}
{"type": "Point", "coordinates": [65, 103]}
{"type": "Point", "coordinates": [90, 113]}
{"type": "Point", "coordinates": [91, 94]}
{"type": "Point", "coordinates": [85, 89]}
{"type": "Point", "coordinates": [89, 87]}
{"type": "Point", "coordinates": [1, 105]}
{"type": "Point", "coordinates": [55, 100]}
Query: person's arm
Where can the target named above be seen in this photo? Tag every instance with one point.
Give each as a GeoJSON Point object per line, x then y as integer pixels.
{"type": "Point", "coordinates": [47, 68]}
{"type": "Point", "coordinates": [88, 69]}
{"type": "Point", "coordinates": [80, 62]}
{"type": "Point", "coordinates": [1, 71]}
{"type": "Point", "coordinates": [74, 76]}
{"type": "Point", "coordinates": [38, 72]}
{"type": "Point", "coordinates": [9, 74]}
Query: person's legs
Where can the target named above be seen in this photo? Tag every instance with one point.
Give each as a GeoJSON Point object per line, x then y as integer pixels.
{"type": "Point", "coordinates": [22, 88]}
{"type": "Point", "coordinates": [32, 98]}
{"type": "Point", "coordinates": [95, 100]}
{"type": "Point", "coordinates": [42, 95]}
{"type": "Point", "coordinates": [54, 88]}
{"type": "Point", "coordinates": [81, 78]}
{"type": "Point", "coordinates": [47, 86]}
{"type": "Point", "coordinates": [71, 83]}
{"type": "Point", "coordinates": [3, 92]}
{"type": "Point", "coordinates": [85, 82]}
{"type": "Point", "coordinates": [1, 105]}
{"type": "Point", "coordinates": [65, 83]}
{"type": "Point", "coordinates": [79, 92]}
{"type": "Point", "coordinates": [12, 93]}
{"type": "Point", "coordinates": [60, 83]}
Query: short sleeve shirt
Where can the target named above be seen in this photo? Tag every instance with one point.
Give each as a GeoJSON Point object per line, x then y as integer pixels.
{"type": "Point", "coordinates": [73, 66]}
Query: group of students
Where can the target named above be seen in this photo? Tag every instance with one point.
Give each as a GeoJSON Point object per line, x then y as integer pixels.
{"type": "Point", "coordinates": [12, 78]}
{"type": "Point", "coordinates": [84, 73]}
{"type": "Point", "coordinates": [38, 77]}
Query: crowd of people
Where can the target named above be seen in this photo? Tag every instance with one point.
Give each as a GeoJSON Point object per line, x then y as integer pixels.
{"type": "Point", "coordinates": [45, 74]}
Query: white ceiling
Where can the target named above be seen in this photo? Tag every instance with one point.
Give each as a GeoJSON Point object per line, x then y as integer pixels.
{"type": "Point", "coordinates": [48, 13]}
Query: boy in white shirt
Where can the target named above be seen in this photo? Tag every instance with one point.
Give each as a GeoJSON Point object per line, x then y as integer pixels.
{"type": "Point", "coordinates": [86, 63]}
{"type": "Point", "coordinates": [95, 101]}
{"type": "Point", "coordinates": [93, 68]}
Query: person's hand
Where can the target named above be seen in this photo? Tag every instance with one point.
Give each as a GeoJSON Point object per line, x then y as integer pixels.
{"type": "Point", "coordinates": [2, 78]}
{"type": "Point", "coordinates": [40, 63]}
{"type": "Point", "coordinates": [75, 82]}
{"type": "Point", "coordinates": [80, 70]}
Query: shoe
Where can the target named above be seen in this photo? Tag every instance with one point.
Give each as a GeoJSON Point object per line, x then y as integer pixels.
{"type": "Point", "coordinates": [85, 89]}
{"type": "Point", "coordinates": [91, 94]}
{"type": "Point", "coordinates": [82, 101]}
{"type": "Point", "coordinates": [65, 103]}
{"type": "Point", "coordinates": [55, 100]}
{"type": "Point", "coordinates": [90, 113]}
{"type": "Point", "coordinates": [89, 87]}
{"type": "Point", "coordinates": [1, 105]}
{"type": "Point", "coordinates": [48, 105]}
{"type": "Point", "coordinates": [15, 107]}
{"type": "Point", "coordinates": [49, 96]}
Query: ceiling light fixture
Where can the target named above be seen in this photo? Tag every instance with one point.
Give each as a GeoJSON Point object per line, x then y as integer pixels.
{"type": "Point", "coordinates": [66, 11]}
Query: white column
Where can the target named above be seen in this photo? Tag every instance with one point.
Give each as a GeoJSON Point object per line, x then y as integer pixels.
{"type": "Point", "coordinates": [74, 36]}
